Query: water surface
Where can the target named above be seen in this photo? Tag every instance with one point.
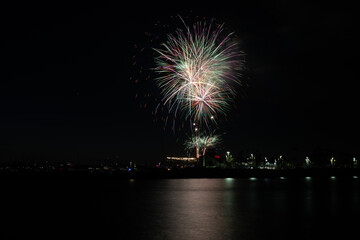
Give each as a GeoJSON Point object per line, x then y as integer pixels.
{"type": "Point", "coordinates": [300, 208]}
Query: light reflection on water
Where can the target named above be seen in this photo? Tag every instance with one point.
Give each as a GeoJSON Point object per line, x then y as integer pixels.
{"type": "Point", "coordinates": [174, 209]}
{"type": "Point", "coordinates": [246, 208]}
{"type": "Point", "coordinates": [199, 207]}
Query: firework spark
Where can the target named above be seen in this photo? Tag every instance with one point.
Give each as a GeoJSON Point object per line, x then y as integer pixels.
{"type": "Point", "coordinates": [202, 142]}
{"type": "Point", "coordinates": [198, 68]}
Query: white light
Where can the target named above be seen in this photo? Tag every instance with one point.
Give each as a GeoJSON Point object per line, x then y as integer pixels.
{"type": "Point", "coordinates": [308, 178]}
{"type": "Point", "coordinates": [333, 177]}
{"type": "Point", "coordinates": [181, 158]}
{"type": "Point", "coordinates": [282, 178]}
{"type": "Point", "coordinates": [196, 129]}
{"type": "Point", "coordinates": [355, 177]}
{"type": "Point", "coordinates": [229, 179]}
{"type": "Point", "coordinates": [332, 161]}
{"type": "Point", "coordinates": [252, 179]}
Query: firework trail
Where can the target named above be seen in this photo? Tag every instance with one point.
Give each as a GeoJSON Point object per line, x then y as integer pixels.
{"type": "Point", "coordinates": [198, 69]}
{"type": "Point", "coordinates": [202, 142]}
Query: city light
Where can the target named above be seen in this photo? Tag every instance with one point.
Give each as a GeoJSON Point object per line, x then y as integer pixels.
{"type": "Point", "coordinates": [355, 161]}
{"type": "Point", "coordinates": [181, 158]}
{"type": "Point", "coordinates": [228, 157]}
{"type": "Point", "coordinates": [332, 161]}
{"type": "Point", "coordinates": [307, 161]}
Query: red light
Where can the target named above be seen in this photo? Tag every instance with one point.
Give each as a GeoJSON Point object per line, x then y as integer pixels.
{"type": "Point", "coordinates": [217, 156]}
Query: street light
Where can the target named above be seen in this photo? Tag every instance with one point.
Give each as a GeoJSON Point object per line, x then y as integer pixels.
{"type": "Point", "coordinates": [307, 161]}
{"type": "Point", "coordinates": [332, 161]}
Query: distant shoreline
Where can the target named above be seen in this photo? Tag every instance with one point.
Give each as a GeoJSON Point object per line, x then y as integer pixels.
{"type": "Point", "coordinates": [180, 173]}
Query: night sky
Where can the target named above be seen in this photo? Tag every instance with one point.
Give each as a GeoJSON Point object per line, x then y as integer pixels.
{"type": "Point", "coordinates": [66, 92]}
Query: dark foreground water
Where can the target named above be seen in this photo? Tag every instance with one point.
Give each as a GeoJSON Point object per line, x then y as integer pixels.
{"type": "Point", "coordinates": [293, 208]}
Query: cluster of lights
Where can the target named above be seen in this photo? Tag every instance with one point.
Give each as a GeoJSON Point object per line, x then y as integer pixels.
{"type": "Point", "coordinates": [181, 158]}
{"type": "Point", "coordinates": [332, 161]}
{"type": "Point", "coordinates": [229, 158]}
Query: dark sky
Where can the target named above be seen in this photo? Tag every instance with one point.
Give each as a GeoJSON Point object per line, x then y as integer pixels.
{"type": "Point", "coordinates": [66, 92]}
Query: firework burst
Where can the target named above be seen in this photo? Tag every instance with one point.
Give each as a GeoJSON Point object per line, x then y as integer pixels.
{"type": "Point", "coordinates": [202, 142]}
{"type": "Point", "coordinates": [197, 71]}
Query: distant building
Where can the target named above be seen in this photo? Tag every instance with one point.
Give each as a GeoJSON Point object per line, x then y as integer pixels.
{"type": "Point", "coordinates": [178, 162]}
